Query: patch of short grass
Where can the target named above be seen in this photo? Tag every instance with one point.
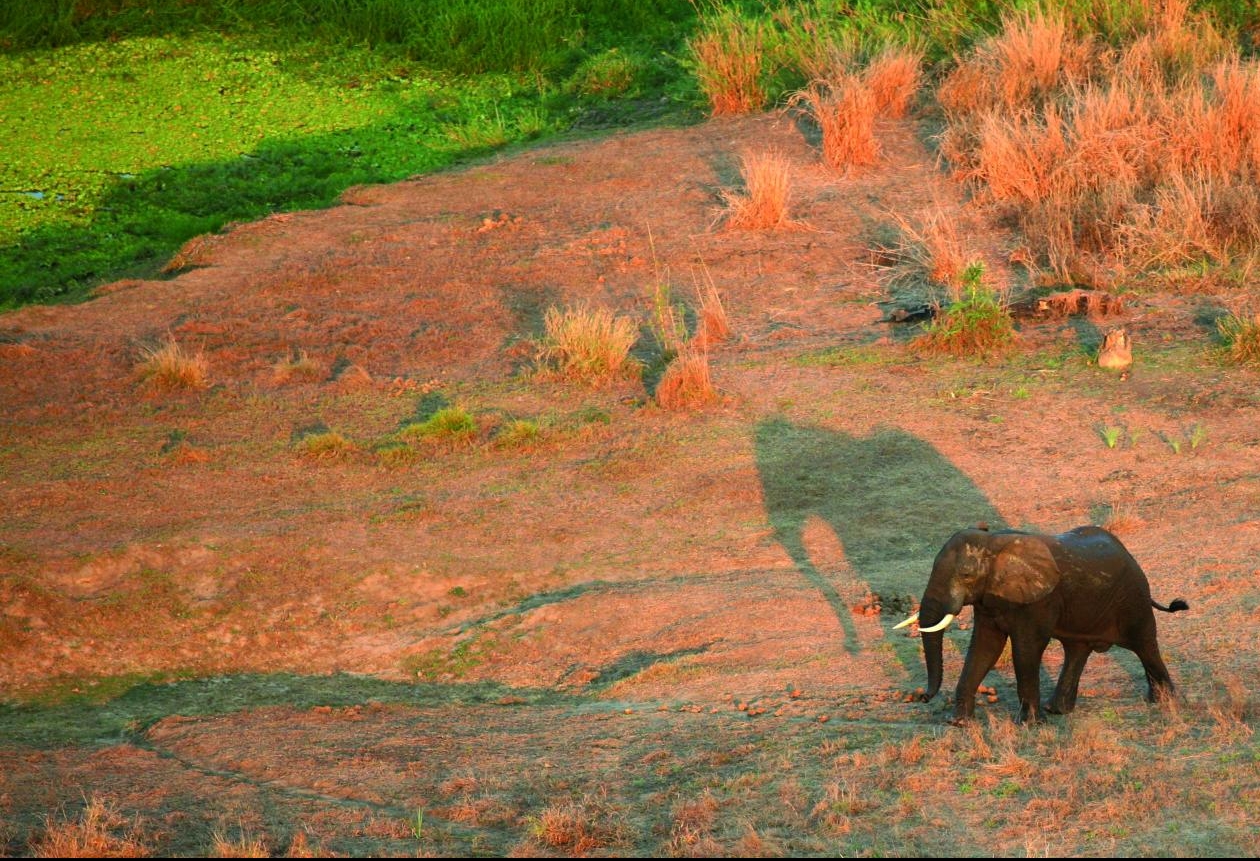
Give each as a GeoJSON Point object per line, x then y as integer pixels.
{"type": "Point", "coordinates": [324, 445]}
{"type": "Point", "coordinates": [452, 424]}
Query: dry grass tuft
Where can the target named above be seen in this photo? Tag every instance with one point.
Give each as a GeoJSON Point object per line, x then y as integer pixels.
{"type": "Point", "coordinates": [714, 326]}
{"type": "Point", "coordinates": [844, 110]}
{"type": "Point", "coordinates": [1240, 333]}
{"type": "Point", "coordinates": [581, 827]}
{"type": "Point", "coordinates": [691, 834]}
{"type": "Point", "coordinates": [297, 366]}
{"type": "Point", "coordinates": [893, 78]}
{"type": "Point", "coordinates": [586, 345]}
{"type": "Point", "coordinates": [168, 367]}
{"type": "Point", "coordinates": [686, 383]}
{"type": "Point", "coordinates": [764, 206]}
{"type": "Point", "coordinates": [328, 446]}
{"type": "Point", "coordinates": [243, 846]}
{"type": "Point", "coordinates": [931, 249]}
{"type": "Point", "coordinates": [98, 832]}
{"type": "Point", "coordinates": [728, 54]}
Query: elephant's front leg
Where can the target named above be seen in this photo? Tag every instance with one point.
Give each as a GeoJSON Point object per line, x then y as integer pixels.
{"type": "Point", "coordinates": [987, 642]}
{"type": "Point", "coordinates": [1026, 650]}
{"type": "Point", "coordinates": [1074, 657]}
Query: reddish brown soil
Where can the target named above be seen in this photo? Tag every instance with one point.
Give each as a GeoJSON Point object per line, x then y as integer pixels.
{"type": "Point", "coordinates": [627, 581]}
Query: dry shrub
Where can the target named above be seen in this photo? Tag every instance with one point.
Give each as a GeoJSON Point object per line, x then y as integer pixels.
{"type": "Point", "coordinates": [98, 832]}
{"type": "Point", "coordinates": [728, 53]}
{"type": "Point", "coordinates": [686, 383]}
{"type": "Point", "coordinates": [767, 178]}
{"type": "Point", "coordinates": [1231, 710]}
{"type": "Point", "coordinates": [845, 112]}
{"type": "Point", "coordinates": [169, 367]}
{"type": "Point", "coordinates": [587, 345]}
{"type": "Point", "coordinates": [893, 78]}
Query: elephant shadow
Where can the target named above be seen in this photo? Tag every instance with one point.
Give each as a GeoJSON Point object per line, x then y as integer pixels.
{"type": "Point", "coordinates": [891, 500]}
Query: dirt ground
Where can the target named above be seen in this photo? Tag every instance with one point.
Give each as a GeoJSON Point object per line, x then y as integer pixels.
{"type": "Point", "coordinates": [647, 631]}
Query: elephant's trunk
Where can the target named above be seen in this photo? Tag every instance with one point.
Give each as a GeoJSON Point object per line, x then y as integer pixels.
{"type": "Point", "coordinates": [931, 612]}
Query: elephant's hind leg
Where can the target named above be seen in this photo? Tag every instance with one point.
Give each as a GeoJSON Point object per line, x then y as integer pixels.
{"type": "Point", "coordinates": [1159, 683]}
{"type": "Point", "coordinates": [1075, 655]}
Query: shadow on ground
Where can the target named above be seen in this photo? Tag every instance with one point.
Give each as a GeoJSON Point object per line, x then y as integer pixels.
{"type": "Point", "coordinates": [890, 498]}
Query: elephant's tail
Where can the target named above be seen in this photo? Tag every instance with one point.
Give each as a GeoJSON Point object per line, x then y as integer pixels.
{"type": "Point", "coordinates": [1175, 606]}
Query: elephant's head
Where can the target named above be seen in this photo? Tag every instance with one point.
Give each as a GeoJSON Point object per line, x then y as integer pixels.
{"type": "Point", "coordinates": [976, 564]}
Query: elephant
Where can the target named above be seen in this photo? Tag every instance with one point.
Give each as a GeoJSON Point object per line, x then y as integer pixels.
{"type": "Point", "coordinates": [1082, 588]}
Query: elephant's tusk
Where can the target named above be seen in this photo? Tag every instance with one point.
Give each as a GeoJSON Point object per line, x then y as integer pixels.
{"type": "Point", "coordinates": [909, 621]}
{"type": "Point", "coordinates": [940, 626]}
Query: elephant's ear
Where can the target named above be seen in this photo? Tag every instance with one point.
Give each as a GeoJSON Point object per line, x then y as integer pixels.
{"type": "Point", "coordinates": [1024, 571]}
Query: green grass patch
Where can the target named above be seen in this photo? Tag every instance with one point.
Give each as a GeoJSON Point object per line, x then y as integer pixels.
{"type": "Point", "coordinates": [450, 424]}
{"type": "Point", "coordinates": [128, 131]}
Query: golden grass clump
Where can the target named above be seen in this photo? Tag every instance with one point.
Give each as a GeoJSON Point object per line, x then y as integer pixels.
{"type": "Point", "coordinates": [169, 367]}
{"type": "Point", "coordinates": [98, 832]}
{"type": "Point", "coordinates": [580, 827]}
{"type": "Point", "coordinates": [243, 846]}
{"type": "Point", "coordinates": [686, 383]}
{"type": "Point", "coordinates": [714, 326]}
{"type": "Point", "coordinates": [1240, 333]}
{"type": "Point", "coordinates": [297, 366]}
{"type": "Point", "coordinates": [325, 445]}
{"type": "Point", "coordinates": [844, 110]}
{"type": "Point", "coordinates": [893, 77]}
{"type": "Point", "coordinates": [728, 53]}
{"type": "Point", "coordinates": [589, 345]}
{"type": "Point", "coordinates": [768, 184]}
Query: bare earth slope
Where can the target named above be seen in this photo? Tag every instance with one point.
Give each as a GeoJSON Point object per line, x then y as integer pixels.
{"type": "Point", "coordinates": [644, 632]}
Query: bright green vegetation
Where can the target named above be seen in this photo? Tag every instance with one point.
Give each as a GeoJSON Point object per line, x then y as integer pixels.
{"type": "Point", "coordinates": [124, 135]}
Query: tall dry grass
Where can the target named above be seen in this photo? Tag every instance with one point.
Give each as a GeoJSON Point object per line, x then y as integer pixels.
{"type": "Point", "coordinates": [1113, 160]}
{"type": "Point", "coordinates": [169, 366]}
{"type": "Point", "coordinates": [768, 192]}
{"type": "Point", "coordinates": [894, 76]}
{"type": "Point", "coordinates": [687, 382]}
{"type": "Point", "coordinates": [844, 110]}
{"type": "Point", "coordinates": [728, 54]}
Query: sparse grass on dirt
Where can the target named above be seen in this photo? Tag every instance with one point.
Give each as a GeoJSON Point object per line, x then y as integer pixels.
{"type": "Point", "coordinates": [98, 831]}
